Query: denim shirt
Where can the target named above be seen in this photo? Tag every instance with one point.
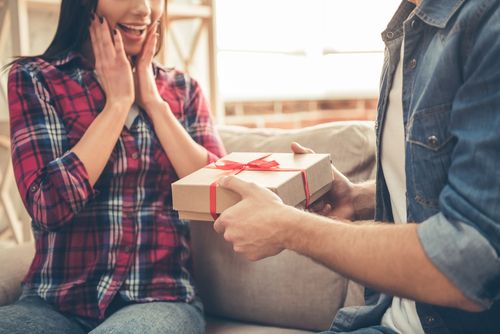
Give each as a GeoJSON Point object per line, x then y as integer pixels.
{"type": "Point", "coordinates": [451, 114]}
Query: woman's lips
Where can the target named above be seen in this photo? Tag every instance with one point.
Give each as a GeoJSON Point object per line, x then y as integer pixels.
{"type": "Point", "coordinates": [131, 31]}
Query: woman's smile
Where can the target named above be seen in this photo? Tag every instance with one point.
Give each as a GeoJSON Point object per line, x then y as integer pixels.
{"type": "Point", "coordinates": [133, 32]}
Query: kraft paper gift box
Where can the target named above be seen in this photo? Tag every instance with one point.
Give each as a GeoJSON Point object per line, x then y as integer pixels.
{"type": "Point", "coordinates": [197, 196]}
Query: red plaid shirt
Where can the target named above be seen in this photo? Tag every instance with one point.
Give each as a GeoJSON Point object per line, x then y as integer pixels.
{"type": "Point", "coordinates": [122, 235]}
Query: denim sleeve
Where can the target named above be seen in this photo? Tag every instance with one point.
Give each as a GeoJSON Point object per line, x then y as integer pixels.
{"type": "Point", "coordinates": [464, 255]}
{"type": "Point", "coordinates": [463, 241]}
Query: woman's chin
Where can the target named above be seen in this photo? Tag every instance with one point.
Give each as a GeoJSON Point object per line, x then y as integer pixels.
{"type": "Point", "coordinates": [133, 50]}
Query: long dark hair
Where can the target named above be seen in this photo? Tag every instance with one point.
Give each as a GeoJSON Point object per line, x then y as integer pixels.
{"type": "Point", "coordinates": [73, 30]}
{"type": "Point", "coordinates": [73, 27]}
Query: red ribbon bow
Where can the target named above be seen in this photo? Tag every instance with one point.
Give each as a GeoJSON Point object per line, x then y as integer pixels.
{"type": "Point", "coordinates": [259, 164]}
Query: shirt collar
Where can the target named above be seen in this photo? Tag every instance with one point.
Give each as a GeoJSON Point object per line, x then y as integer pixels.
{"type": "Point", "coordinates": [437, 13]}
{"type": "Point", "coordinates": [68, 57]}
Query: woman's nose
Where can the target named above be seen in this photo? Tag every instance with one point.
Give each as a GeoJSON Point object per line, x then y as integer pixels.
{"type": "Point", "coordinates": [141, 8]}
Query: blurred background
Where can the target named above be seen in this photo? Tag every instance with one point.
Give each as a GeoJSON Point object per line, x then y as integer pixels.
{"type": "Point", "coordinates": [261, 63]}
{"type": "Point", "coordinates": [314, 60]}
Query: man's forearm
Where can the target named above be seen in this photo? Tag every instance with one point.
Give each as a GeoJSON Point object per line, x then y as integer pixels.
{"type": "Point", "coordinates": [386, 257]}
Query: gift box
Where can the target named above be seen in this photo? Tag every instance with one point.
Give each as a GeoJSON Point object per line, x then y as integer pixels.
{"type": "Point", "coordinates": [298, 179]}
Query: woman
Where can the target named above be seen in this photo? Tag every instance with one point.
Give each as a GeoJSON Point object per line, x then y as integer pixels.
{"type": "Point", "coordinates": [99, 133]}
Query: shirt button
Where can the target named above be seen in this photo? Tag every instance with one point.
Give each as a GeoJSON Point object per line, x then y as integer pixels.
{"type": "Point", "coordinates": [389, 35]}
{"type": "Point", "coordinates": [413, 63]}
{"type": "Point", "coordinates": [34, 188]}
{"type": "Point", "coordinates": [127, 249]}
{"type": "Point", "coordinates": [135, 155]}
{"type": "Point", "coordinates": [429, 319]}
{"type": "Point", "coordinates": [433, 141]}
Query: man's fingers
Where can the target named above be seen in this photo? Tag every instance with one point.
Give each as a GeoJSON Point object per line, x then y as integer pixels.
{"type": "Point", "coordinates": [219, 226]}
{"type": "Point", "coordinates": [237, 185]}
{"type": "Point", "coordinates": [326, 210]}
{"type": "Point", "coordinates": [299, 149]}
{"type": "Point", "coordinates": [317, 206]}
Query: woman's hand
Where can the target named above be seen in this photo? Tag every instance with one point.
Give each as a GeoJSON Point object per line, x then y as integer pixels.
{"type": "Point", "coordinates": [146, 91]}
{"type": "Point", "coordinates": [112, 65]}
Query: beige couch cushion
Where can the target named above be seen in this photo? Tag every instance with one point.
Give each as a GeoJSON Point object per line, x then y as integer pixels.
{"type": "Point", "coordinates": [287, 290]}
{"type": "Point", "coordinates": [350, 144]}
{"type": "Point", "coordinates": [14, 264]}
{"type": "Point", "coordinates": [217, 326]}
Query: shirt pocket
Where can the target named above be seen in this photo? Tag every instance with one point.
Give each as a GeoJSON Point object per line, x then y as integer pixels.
{"type": "Point", "coordinates": [430, 146]}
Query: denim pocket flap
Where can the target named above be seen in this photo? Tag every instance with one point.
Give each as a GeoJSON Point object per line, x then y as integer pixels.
{"type": "Point", "coordinates": [429, 127]}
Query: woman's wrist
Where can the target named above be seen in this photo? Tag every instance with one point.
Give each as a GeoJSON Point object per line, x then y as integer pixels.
{"type": "Point", "coordinates": [118, 106]}
{"type": "Point", "coordinates": [117, 111]}
{"type": "Point", "coordinates": [159, 111]}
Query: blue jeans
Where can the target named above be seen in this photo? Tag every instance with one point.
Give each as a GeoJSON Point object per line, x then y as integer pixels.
{"type": "Point", "coordinates": [33, 315]}
{"type": "Point", "coordinates": [369, 330]}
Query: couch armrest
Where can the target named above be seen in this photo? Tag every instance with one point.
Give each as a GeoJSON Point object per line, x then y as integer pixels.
{"type": "Point", "coordinates": [14, 264]}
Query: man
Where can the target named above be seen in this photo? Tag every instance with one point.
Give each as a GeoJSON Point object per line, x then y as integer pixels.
{"type": "Point", "coordinates": [438, 142]}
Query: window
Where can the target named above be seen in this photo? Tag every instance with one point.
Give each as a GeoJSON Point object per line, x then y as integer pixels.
{"type": "Point", "coordinates": [300, 49]}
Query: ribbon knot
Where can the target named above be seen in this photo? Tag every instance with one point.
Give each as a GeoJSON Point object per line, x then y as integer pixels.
{"type": "Point", "coordinates": [259, 164]}
{"type": "Point", "coordinates": [256, 164]}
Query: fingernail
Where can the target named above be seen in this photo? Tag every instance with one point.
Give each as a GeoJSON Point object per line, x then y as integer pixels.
{"type": "Point", "coordinates": [101, 19]}
{"type": "Point", "coordinates": [222, 181]}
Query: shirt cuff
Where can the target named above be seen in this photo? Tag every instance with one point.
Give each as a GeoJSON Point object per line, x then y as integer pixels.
{"type": "Point", "coordinates": [71, 180]}
{"type": "Point", "coordinates": [464, 256]}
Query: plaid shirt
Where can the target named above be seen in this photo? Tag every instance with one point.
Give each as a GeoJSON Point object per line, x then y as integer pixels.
{"type": "Point", "coordinates": [122, 235]}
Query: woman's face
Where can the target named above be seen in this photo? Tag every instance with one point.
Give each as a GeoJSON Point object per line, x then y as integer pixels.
{"type": "Point", "coordinates": [132, 18]}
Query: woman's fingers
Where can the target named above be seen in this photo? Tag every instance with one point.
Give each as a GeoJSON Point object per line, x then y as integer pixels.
{"type": "Point", "coordinates": [119, 48]}
{"type": "Point", "coordinates": [111, 63]}
{"type": "Point", "coordinates": [104, 37]}
{"type": "Point", "coordinates": [96, 46]}
{"type": "Point", "coordinates": [149, 47]}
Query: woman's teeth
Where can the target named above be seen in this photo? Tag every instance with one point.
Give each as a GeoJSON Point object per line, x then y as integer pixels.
{"type": "Point", "coordinates": [131, 29]}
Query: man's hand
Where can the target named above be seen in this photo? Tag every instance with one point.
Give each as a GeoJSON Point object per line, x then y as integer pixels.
{"type": "Point", "coordinates": [339, 201]}
{"type": "Point", "coordinates": [255, 225]}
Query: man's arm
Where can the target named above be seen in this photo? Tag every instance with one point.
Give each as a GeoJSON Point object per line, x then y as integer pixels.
{"type": "Point", "coordinates": [386, 257]}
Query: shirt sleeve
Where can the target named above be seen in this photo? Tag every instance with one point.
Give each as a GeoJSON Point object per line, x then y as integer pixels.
{"type": "Point", "coordinates": [463, 240]}
{"type": "Point", "coordinates": [52, 181]}
{"type": "Point", "coordinates": [200, 123]}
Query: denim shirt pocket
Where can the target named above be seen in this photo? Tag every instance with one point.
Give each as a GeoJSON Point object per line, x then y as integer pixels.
{"type": "Point", "coordinates": [429, 145]}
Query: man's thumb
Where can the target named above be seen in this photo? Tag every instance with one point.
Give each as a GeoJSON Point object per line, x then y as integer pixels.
{"type": "Point", "coordinates": [235, 184]}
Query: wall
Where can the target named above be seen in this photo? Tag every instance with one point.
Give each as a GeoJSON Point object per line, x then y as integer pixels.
{"type": "Point", "coordinates": [295, 114]}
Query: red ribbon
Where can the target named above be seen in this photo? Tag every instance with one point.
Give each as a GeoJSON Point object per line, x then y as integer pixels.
{"type": "Point", "coordinates": [260, 165]}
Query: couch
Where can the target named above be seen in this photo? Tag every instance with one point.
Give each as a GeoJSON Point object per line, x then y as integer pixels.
{"type": "Point", "coordinates": [285, 294]}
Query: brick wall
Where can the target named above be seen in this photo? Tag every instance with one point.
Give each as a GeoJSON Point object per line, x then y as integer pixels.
{"type": "Point", "coordinates": [297, 114]}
